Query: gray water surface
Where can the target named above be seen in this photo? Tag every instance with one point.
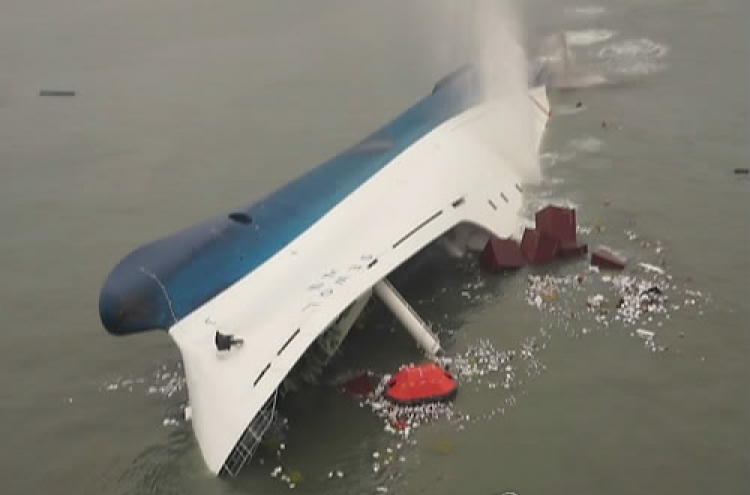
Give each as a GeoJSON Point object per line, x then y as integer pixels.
{"type": "Point", "coordinates": [184, 110]}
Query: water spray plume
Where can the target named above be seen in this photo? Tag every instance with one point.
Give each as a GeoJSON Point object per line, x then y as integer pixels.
{"type": "Point", "coordinates": [497, 35]}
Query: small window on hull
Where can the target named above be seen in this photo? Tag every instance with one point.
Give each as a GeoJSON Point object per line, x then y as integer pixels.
{"type": "Point", "coordinates": [242, 218]}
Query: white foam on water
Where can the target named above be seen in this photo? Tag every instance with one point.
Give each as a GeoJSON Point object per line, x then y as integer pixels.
{"type": "Point", "coordinates": [548, 160]}
{"type": "Point", "coordinates": [586, 10]}
{"type": "Point", "coordinates": [588, 36]}
{"type": "Point", "coordinates": [634, 48]}
{"type": "Point", "coordinates": [164, 382]}
{"type": "Point", "coordinates": [571, 150]}
{"type": "Point", "coordinates": [566, 156]}
{"type": "Point", "coordinates": [587, 144]}
{"type": "Point", "coordinates": [634, 56]}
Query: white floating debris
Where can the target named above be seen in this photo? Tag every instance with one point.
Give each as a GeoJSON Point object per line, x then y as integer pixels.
{"type": "Point", "coordinates": [595, 301]}
{"type": "Point", "coordinates": [576, 304]}
{"type": "Point", "coordinates": [167, 383]}
{"type": "Point", "coordinates": [651, 268]}
{"type": "Point", "coordinates": [644, 334]}
{"type": "Point", "coordinates": [609, 300]}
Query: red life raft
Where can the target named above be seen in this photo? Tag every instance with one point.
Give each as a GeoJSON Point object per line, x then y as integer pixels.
{"type": "Point", "coordinates": [417, 384]}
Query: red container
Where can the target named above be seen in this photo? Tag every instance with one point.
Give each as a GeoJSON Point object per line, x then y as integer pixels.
{"type": "Point", "coordinates": [569, 250]}
{"type": "Point", "coordinates": [538, 247]}
{"type": "Point", "coordinates": [501, 254]}
{"type": "Point", "coordinates": [557, 222]}
{"type": "Point", "coordinates": [606, 259]}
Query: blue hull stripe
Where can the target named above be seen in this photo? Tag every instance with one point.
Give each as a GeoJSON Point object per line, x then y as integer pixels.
{"type": "Point", "coordinates": [197, 263]}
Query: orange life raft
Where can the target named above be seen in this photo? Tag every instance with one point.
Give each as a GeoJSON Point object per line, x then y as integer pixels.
{"type": "Point", "coordinates": [416, 384]}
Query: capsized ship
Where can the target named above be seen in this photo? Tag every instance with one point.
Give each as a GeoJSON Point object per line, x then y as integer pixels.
{"type": "Point", "coordinates": [247, 295]}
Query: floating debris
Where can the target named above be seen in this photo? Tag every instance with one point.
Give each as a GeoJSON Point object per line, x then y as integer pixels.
{"type": "Point", "coordinates": [538, 247]}
{"type": "Point", "coordinates": [292, 478]}
{"type": "Point", "coordinates": [651, 268]}
{"type": "Point", "coordinates": [163, 382]}
{"type": "Point", "coordinates": [481, 366]}
{"type": "Point", "coordinates": [595, 301]}
{"type": "Point", "coordinates": [336, 474]}
{"type": "Point", "coordinates": [645, 334]}
{"type": "Point", "coordinates": [579, 302]}
{"type": "Point", "coordinates": [501, 254]}
{"type": "Point", "coordinates": [553, 237]}
{"type": "Point", "coordinates": [442, 447]}
{"type": "Point", "coordinates": [608, 299]}
{"type": "Point", "coordinates": [604, 258]}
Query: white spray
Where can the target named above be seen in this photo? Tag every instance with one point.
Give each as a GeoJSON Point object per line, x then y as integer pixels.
{"type": "Point", "coordinates": [504, 70]}
{"type": "Point", "coordinates": [490, 35]}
